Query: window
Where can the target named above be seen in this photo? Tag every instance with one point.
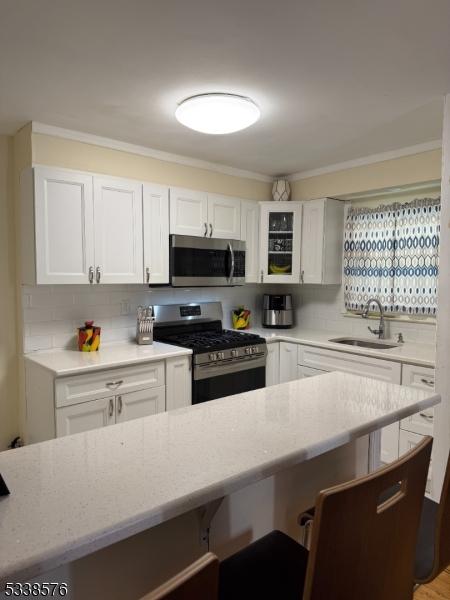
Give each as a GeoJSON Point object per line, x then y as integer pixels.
{"type": "Point", "coordinates": [392, 253]}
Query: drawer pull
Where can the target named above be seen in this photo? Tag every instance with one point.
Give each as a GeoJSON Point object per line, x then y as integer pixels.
{"type": "Point", "coordinates": [113, 385]}
{"type": "Point", "coordinates": [111, 407]}
{"type": "Point", "coordinates": [429, 382]}
{"type": "Point", "coordinates": [425, 416]}
{"type": "Point", "coordinates": [120, 405]}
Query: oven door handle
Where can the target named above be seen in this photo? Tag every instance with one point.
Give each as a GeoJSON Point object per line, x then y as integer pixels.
{"type": "Point", "coordinates": [231, 274]}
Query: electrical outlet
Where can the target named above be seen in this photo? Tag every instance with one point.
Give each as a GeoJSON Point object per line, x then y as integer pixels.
{"type": "Point", "coordinates": [125, 307]}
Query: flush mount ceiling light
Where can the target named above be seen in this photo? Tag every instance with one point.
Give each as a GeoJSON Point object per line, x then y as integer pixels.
{"type": "Point", "coordinates": [217, 113]}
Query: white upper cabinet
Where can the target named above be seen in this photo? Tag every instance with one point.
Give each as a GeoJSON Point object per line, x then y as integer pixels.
{"type": "Point", "coordinates": [280, 242]}
{"type": "Point", "coordinates": [224, 217]}
{"type": "Point", "coordinates": [250, 235]}
{"type": "Point", "coordinates": [63, 228]}
{"type": "Point", "coordinates": [188, 212]}
{"type": "Point", "coordinates": [204, 215]}
{"type": "Point", "coordinates": [322, 233]}
{"type": "Point", "coordinates": [118, 230]}
{"type": "Point", "coordinates": [156, 233]}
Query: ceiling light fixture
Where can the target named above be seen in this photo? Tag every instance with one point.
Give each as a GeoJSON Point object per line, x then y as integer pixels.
{"type": "Point", "coordinates": [217, 113]}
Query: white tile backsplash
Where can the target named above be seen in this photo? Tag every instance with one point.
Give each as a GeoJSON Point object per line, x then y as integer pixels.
{"type": "Point", "coordinates": [53, 313]}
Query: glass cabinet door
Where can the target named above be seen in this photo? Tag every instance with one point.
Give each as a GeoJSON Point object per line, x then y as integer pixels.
{"type": "Point", "coordinates": [280, 242]}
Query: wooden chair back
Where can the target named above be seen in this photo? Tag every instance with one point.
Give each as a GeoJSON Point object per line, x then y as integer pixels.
{"type": "Point", "coordinates": [442, 539]}
{"type": "Point", "coordinates": [199, 581]}
{"type": "Point", "coordinates": [362, 546]}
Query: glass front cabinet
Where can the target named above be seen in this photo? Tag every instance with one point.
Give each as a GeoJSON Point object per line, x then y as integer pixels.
{"type": "Point", "coordinates": [280, 242]}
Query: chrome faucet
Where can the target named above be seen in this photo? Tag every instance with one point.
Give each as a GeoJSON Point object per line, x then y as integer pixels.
{"type": "Point", "coordinates": [365, 313]}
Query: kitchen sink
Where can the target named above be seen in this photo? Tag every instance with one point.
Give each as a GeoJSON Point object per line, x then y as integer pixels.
{"type": "Point", "coordinates": [348, 341]}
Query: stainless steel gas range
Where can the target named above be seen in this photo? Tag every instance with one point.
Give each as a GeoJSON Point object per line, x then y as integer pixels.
{"type": "Point", "coordinates": [218, 354]}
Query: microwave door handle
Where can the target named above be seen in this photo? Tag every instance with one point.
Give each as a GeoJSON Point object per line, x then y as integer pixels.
{"type": "Point", "coordinates": [230, 276]}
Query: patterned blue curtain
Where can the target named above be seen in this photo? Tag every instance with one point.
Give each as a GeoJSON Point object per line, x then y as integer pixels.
{"type": "Point", "coordinates": [392, 253]}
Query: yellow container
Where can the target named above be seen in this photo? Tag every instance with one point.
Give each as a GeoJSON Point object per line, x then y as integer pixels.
{"type": "Point", "coordinates": [241, 318]}
{"type": "Point", "coordinates": [89, 337]}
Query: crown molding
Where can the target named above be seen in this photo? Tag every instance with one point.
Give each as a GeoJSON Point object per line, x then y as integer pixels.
{"type": "Point", "coordinates": [104, 142]}
{"type": "Point", "coordinates": [368, 160]}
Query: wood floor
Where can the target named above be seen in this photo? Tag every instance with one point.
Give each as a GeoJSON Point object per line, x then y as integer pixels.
{"type": "Point", "coordinates": [439, 589]}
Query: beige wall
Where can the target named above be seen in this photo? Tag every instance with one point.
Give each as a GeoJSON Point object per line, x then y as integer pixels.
{"type": "Point", "coordinates": [55, 151]}
{"type": "Point", "coordinates": [8, 337]}
{"type": "Point", "coordinates": [407, 170]}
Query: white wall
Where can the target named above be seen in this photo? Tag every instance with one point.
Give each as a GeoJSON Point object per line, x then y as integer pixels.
{"type": "Point", "coordinates": [442, 421]}
{"type": "Point", "coordinates": [51, 314]}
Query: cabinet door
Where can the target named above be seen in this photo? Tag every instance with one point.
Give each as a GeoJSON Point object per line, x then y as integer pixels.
{"type": "Point", "coordinates": [143, 403]}
{"type": "Point", "coordinates": [118, 230]}
{"type": "Point", "coordinates": [422, 378]}
{"type": "Point", "coordinates": [273, 364]}
{"type": "Point", "coordinates": [178, 382]}
{"type": "Point", "coordinates": [389, 443]}
{"type": "Point", "coordinates": [288, 362]}
{"type": "Point", "coordinates": [64, 226]}
{"type": "Point", "coordinates": [280, 242]}
{"type": "Point", "coordinates": [312, 241]}
{"type": "Point", "coordinates": [407, 441]}
{"type": "Point", "coordinates": [188, 212]}
{"type": "Point", "coordinates": [224, 217]}
{"type": "Point", "coordinates": [250, 235]}
{"type": "Point", "coordinates": [156, 233]}
{"type": "Point", "coordinates": [83, 417]}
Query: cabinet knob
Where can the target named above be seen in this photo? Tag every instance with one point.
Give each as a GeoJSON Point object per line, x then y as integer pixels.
{"type": "Point", "coordinates": [147, 274]}
{"type": "Point", "coordinates": [98, 274]}
{"type": "Point", "coordinates": [262, 276]}
{"type": "Point", "coordinates": [302, 276]}
{"type": "Point", "coordinates": [210, 230]}
{"type": "Point", "coordinates": [206, 229]}
{"type": "Point", "coordinates": [91, 275]}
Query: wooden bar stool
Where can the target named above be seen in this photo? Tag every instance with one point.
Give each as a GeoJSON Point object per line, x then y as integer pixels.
{"type": "Point", "coordinates": [362, 546]}
{"type": "Point", "coordinates": [433, 544]}
{"type": "Point", "coordinates": [199, 581]}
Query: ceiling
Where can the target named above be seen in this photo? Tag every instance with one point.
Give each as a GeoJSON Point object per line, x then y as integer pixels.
{"type": "Point", "coordinates": [335, 80]}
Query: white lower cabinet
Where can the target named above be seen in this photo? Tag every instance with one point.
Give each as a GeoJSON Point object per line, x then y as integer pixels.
{"type": "Point", "coordinates": [273, 364]}
{"type": "Point", "coordinates": [288, 362]}
{"type": "Point", "coordinates": [83, 417]}
{"type": "Point", "coordinates": [408, 440]}
{"type": "Point", "coordinates": [58, 406]}
{"type": "Point", "coordinates": [323, 360]}
{"type": "Point", "coordinates": [178, 382]}
{"type": "Point", "coordinates": [142, 403]}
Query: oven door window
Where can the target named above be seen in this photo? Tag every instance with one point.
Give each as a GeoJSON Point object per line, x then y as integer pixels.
{"type": "Point", "coordinates": [228, 384]}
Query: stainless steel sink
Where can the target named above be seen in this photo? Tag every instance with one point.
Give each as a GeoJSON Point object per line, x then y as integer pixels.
{"type": "Point", "coordinates": [348, 341]}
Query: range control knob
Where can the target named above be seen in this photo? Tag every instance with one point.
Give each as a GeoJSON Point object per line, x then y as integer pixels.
{"type": "Point", "coordinates": [254, 350]}
{"type": "Point", "coordinates": [235, 353]}
{"type": "Point", "coordinates": [248, 350]}
{"type": "Point", "coordinates": [213, 356]}
{"type": "Point", "coordinates": [221, 355]}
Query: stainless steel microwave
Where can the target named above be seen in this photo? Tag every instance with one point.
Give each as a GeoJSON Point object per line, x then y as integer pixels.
{"type": "Point", "coordinates": [205, 262]}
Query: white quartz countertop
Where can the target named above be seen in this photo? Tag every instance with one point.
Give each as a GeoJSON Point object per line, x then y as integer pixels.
{"type": "Point", "coordinates": [74, 495]}
{"type": "Point", "coordinates": [119, 354]}
{"type": "Point", "coordinates": [413, 353]}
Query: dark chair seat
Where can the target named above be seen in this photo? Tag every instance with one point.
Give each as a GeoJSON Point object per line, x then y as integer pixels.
{"type": "Point", "coordinates": [425, 540]}
{"type": "Point", "coordinates": [272, 568]}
